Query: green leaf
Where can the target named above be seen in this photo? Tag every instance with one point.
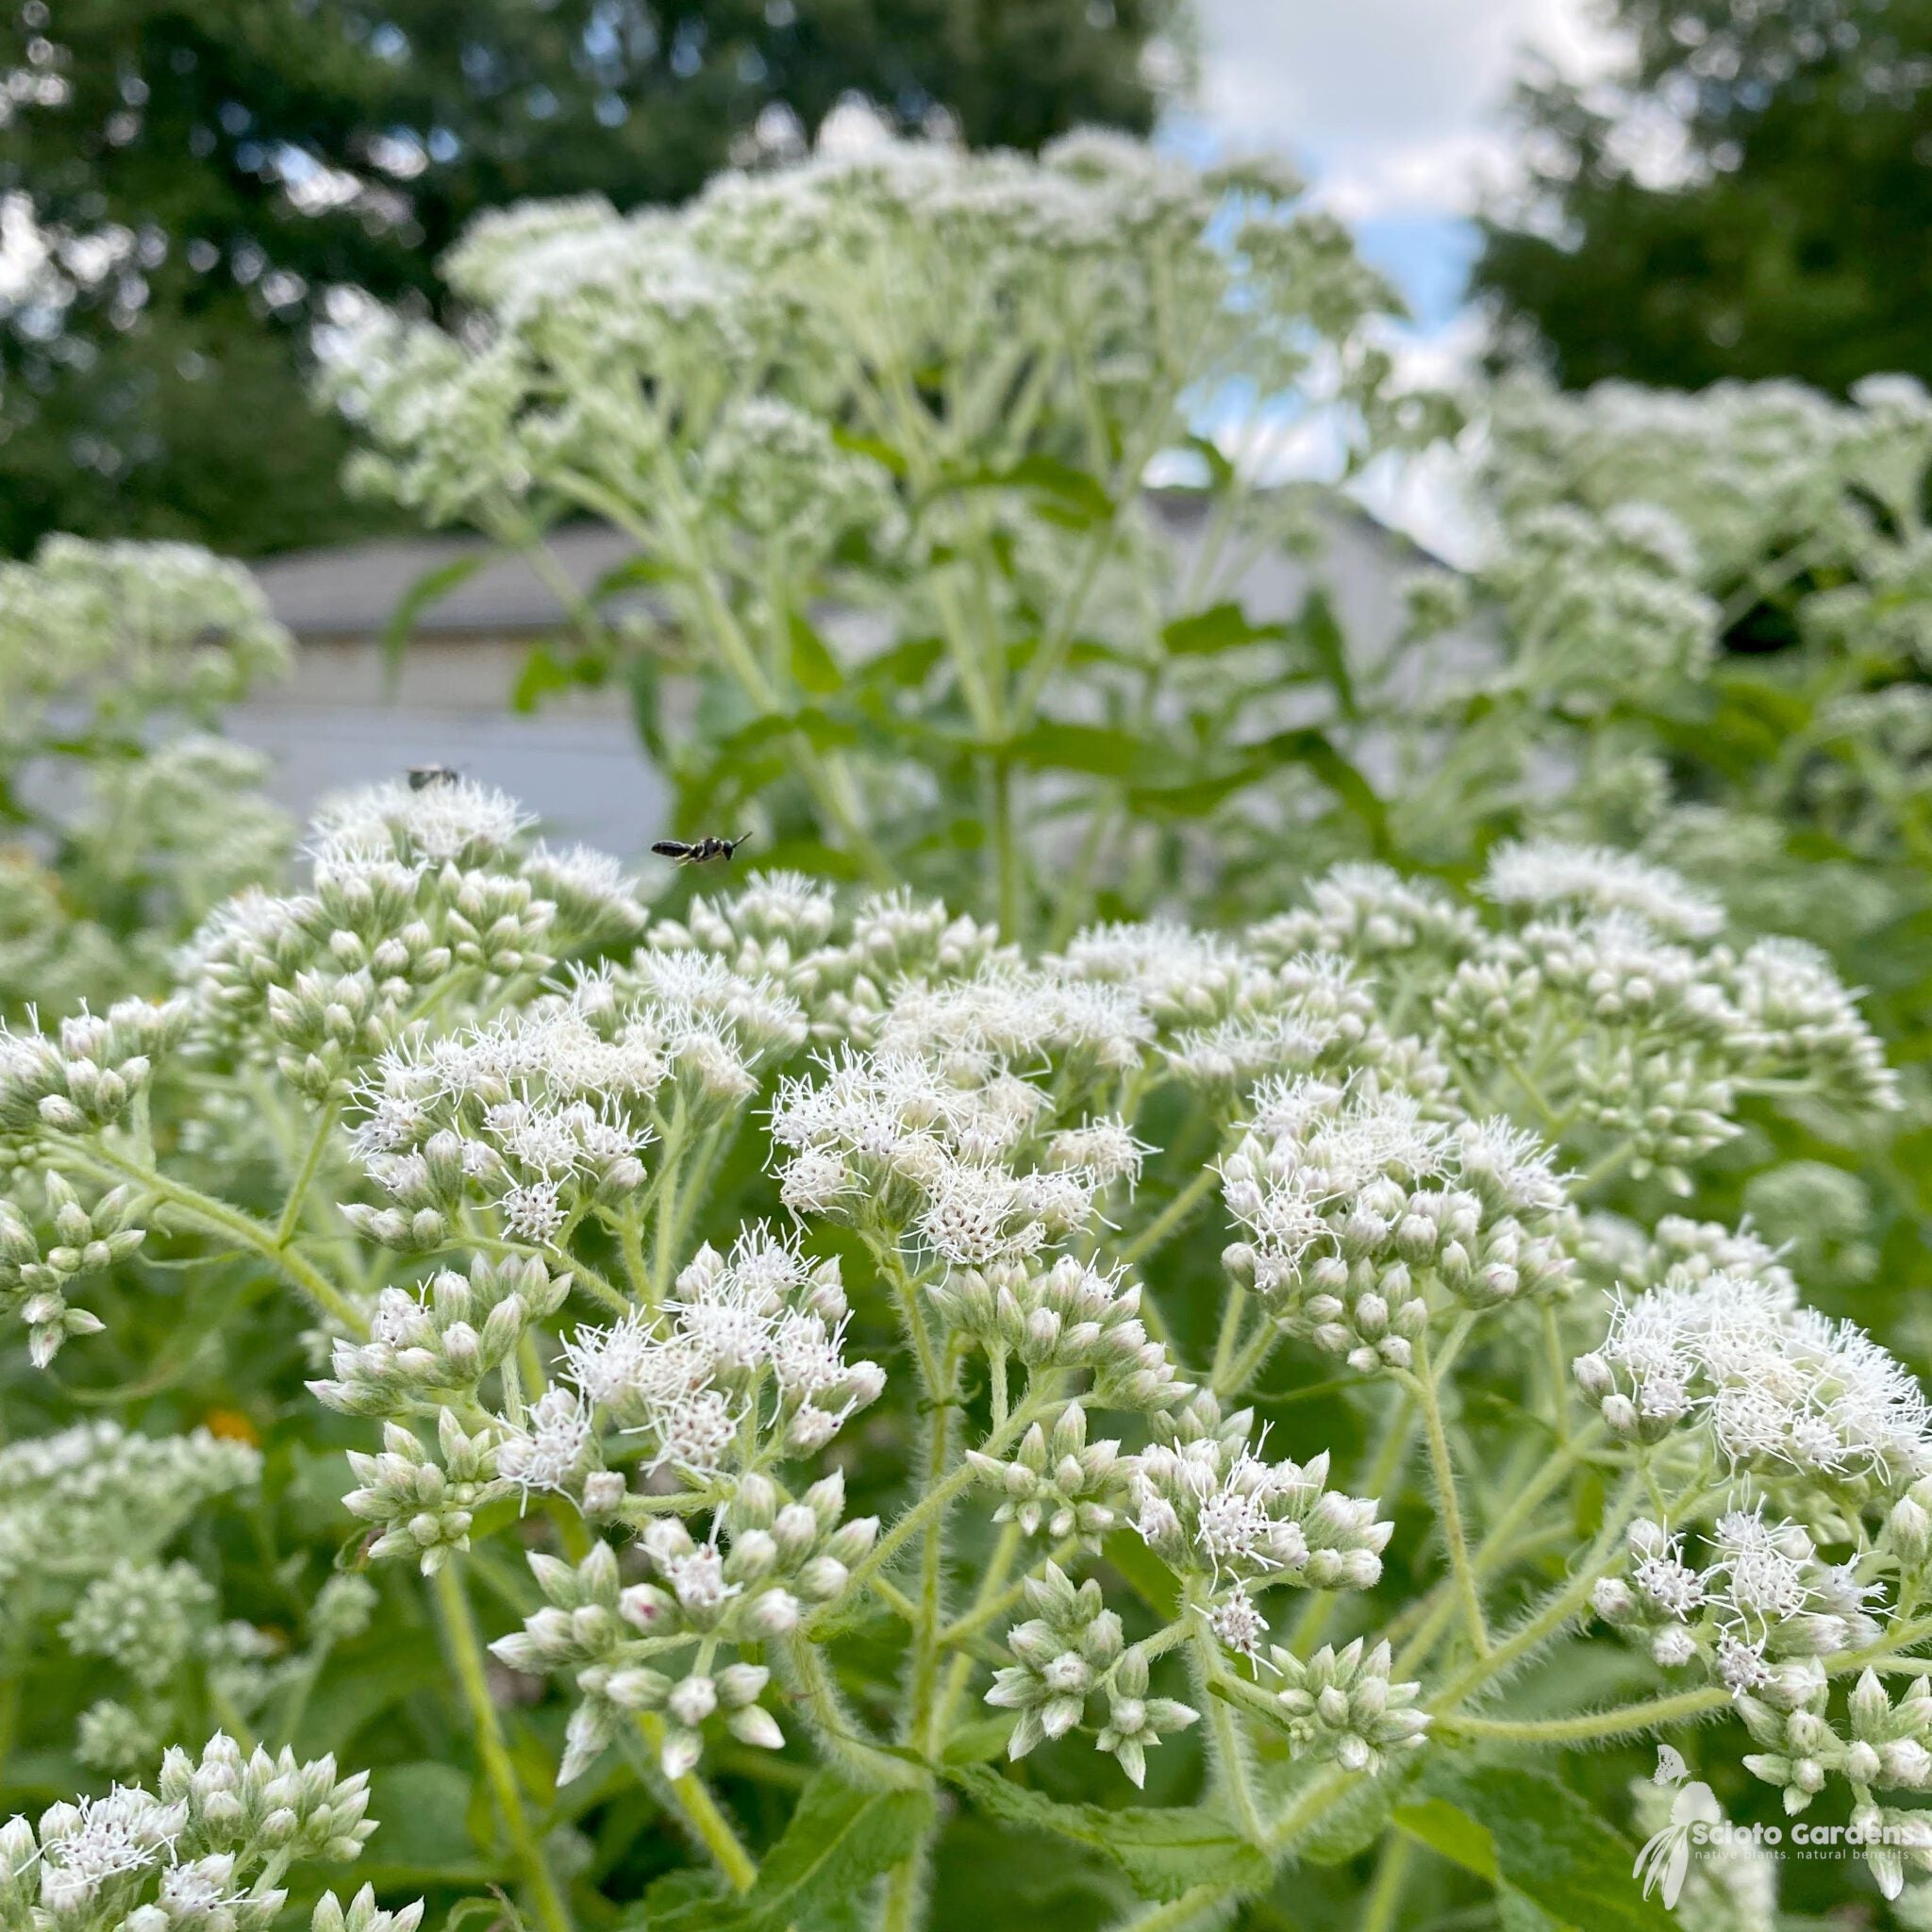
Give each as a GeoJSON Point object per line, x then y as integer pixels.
{"type": "Point", "coordinates": [1145, 1574]}
{"type": "Point", "coordinates": [627, 575]}
{"type": "Point", "coordinates": [906, 665]}
{"type": "Point", "coordinates": [1093, 748]}
{"type": "Point", "coordinates": [494, 1909]}
{"type": "Point", "coordinates": [1316, 626]}
{"type": "Point", "coordinates": [430, 587]}
{"type": "Point", "coordinates": [812, 665]}
{"type": "Point", "coordinates": [1220, 627]}
{"type": "Point", "coordinates": [878, 450]}
{"type": "Point", "coordinates": [424, 1831]}
{"type": "Point", "coordinates": [1077, 499]}
{"type": "Point", "coordinates": [1219, 470]}
{"type": "Point", "coordinates": [1161, 1852]}
{"type": "Point", "coordinates": [979, 1742]}
{"type": "Point", "coordinates": [544, 673]}
{"type": "Point", "coordinates": [1315, 750]}
{"type": "Point", "coordinates": [1526, 1832]}
{"type": "Point", "coordinates": [1450, 1834]}
{"type": "Point", "coordinates": [838, 1840]}
{"type": "Point", "coordinates": [1349, 1826]}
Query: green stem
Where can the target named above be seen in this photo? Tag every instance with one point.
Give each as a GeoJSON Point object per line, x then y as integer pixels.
{"type": "Point", "coordinates": [941, 1495]}
{"type": "Point", "coordinates": [990, 1590]}
{"type": "Point", "coordinates": [1170, 1216]}
{"type": "Point", "coordinates": [466, 1652]}
{"type": "Point", "coordinates": [630, 1245]}
{"type": "Point", "coordinates": [1385, 1893]}
{"type": "Point", "coordinates": [1230, 1751]}
{"type": "Point", "coordinates": [244, 1228]}
{"type": "Point", "coordinates": [1230, 1336]}
{"type": "Point", "coordinates": [298, 1188]}
{"type": "Point", "coordinates": [1590, 1726]}
{"type": "Point", "coordinates": [837, 1730]}
{"type": "Point", "coordinates": [1555, 1612]}
{"type": "Point", "coordinates": [1251, 1361]}
{"type": "Point", "coordinates": [992, 1605]}
{"type": "Point", "coordinates": [1006, 848]}
{"type": "Point", "coordinates": [1558, 1370]}
{"type": "Point", "coordinates": [702, 1812]}
{"type": "Point", "coordinates": [1421, 1385]}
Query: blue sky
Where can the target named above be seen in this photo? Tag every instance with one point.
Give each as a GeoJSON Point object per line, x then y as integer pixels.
{"type": "Point", "coordinates": [1391, 109]}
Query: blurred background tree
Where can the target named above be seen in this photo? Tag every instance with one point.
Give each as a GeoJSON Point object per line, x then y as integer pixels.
{"type": "Point", "coordinates": [183, 185]}
{"type": "Point", "coordinates": [1749, 196]}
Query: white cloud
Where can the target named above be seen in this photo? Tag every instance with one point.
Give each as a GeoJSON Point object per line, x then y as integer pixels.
{"type": "Point", "coordinates": [1390, 103]}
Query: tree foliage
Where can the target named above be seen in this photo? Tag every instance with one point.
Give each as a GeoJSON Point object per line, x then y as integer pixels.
{"type": "Point", "coordinates": [200, 178]}
{"type": "Point", "coordinates": [1793, 145]}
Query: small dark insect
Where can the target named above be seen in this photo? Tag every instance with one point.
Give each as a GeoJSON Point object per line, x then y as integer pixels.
{"type": "Point", "coordinates": [423, 776]}
{"type": "Point", "coordinates": [701, 853]}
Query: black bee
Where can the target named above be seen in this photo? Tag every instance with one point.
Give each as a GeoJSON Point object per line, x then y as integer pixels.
{"type": "Point", "coordinates": [702, 853]}
{"type": "Point", "coordinates": [423, 776]}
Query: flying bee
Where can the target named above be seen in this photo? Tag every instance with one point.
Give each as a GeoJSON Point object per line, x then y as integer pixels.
{"type": "Point", "coordinates": [423, 776]}
{"type": "Point", "coordinates": [700, 854]}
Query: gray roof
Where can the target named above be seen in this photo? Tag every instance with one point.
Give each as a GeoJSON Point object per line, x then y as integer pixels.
{"type": "Point", "coordinates": [352, 591]}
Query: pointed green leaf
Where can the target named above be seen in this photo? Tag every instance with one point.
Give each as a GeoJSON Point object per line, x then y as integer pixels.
{"type": "Point", "coordinates": [1544, 1840]}
{"type": "Point", "coordinates": [1318, 627]}
{"type": "Point", "coordinates": [1162, 1852]}
{"type": "Point", "coordinates": [1220, 627]}
{"type": "Point", "coordinates": [430, 587]}
{"type": "Point", "coordinates": [813, 666]}
{"type": "Point", "coordinates": [838, 1840]}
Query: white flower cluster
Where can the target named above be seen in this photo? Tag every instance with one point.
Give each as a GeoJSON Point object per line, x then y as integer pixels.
{"type": "Point", "coordinates": [775, 278]}
{"type": "Point", "coordinates": [1728, 1363]}
{"type": "Point", "coordinates": [71, 1504]}
{"type": "Point", "coordinates": [416, 891]}
{"type": "Point", "coordinates": [132, 628]}
{"type": "Point", "coordinates": [1610, 1013]}
{"type": "Point", "coordinates": [889, 1142]}
{"type": "Point", "coordinates": [760, 1324]}
{"type": "Point", "coordinates": [87, 1072]}
{"type": "Point", "coordinates": [1065, 1315]}
{"type": "Point", "coordinates": [1071, 1649]}
{"type": "Point", "coordinates": [766, 1564]}
{"type": "Point", "coordinates": [203, 1852]}
{"type": "Point", "coordinates": [36, 1275]}
{"type": "Point", "coordinates": [1755, 1613]}
{"type": "Point", "coordinates": [1354, 1204]}
{"type": "Point", "coordinates": [1342, 1706]}
{"type": "Point", "coordinates": [1211, 1506]}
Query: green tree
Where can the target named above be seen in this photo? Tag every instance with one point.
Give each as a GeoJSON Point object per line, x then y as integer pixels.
{"type": "Point", "coordinates": [1788, 237]}
{"type": "Point", "coordinates": [184, 185]}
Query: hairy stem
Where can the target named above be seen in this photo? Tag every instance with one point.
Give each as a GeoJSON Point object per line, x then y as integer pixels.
{"type": "Point", "coordinates": [1170, 1216]}
{"type": "Point", "coordinates": [298, 1188]}
{"type": "Point", "coordinates": [466, 1652]}
{"type": "Point", "coordinates": [218, 1217]}
{"type": "Point", "coordinates": [1230, 1749]}
{"type": "Point", "coordinates": [1421, 1385]}
{"type": "Point", "coordinates": [1556, 1611]}
{"type": "Point", "coordinates": [1590, 1726]}
{"type": "Point", "coordinates": [702, 1812]}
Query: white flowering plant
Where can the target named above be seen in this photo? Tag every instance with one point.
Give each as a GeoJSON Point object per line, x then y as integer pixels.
{"type": "Point", "coordinates": [877, 424]}
{"type": "Point", "coordinates": [1218, 1296]}
{"type": "Point", "coordinates": [1230, 1411]}
{"type": "Point", "coordinates": [127, 817]}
